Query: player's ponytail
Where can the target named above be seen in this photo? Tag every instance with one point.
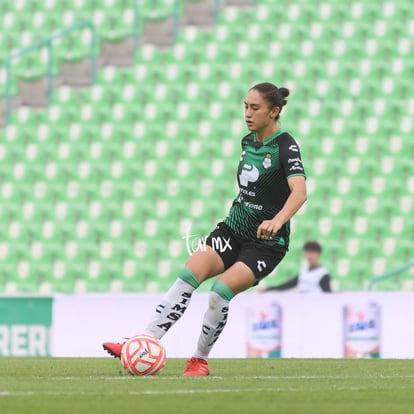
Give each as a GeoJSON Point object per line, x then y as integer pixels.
{"type": "Point", "coordinates": [273, 95]}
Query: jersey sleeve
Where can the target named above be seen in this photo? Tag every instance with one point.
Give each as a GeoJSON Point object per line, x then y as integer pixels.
{"type": "Point", "coordinates": [290, 157]}
{"type": "Point", "coordinates": [325, 283]}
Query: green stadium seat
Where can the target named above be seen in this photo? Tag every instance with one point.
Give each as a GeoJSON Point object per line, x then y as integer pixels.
{"type": "Point", "coordinates": [108, 178]}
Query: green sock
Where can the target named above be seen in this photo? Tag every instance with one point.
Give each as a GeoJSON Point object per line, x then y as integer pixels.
{"type": "Point", "coordinates": [188, 276]}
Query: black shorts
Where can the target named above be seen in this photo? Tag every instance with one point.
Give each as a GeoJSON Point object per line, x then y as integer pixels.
{"type": "Point", "coordinates": [232, 248]}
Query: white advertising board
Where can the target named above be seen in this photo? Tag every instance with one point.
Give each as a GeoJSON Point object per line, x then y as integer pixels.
{"type": "Point", "coordinates": [312, 324]}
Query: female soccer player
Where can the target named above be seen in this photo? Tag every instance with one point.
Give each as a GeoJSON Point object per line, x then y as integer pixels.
{"type": "Point", "coordinates": [272, 188]}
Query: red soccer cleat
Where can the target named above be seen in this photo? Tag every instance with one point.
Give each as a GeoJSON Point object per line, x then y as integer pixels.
{"type": "Point", "coordinates": [113, 348]}
{"type": "Point", "coordinates": [196, 367]}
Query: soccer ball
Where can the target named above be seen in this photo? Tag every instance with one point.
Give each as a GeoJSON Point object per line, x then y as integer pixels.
{"type": "Point", "coordinates": [143, 355]}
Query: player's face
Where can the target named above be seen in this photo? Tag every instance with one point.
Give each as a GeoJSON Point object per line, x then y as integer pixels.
{"type": "Point", "coordinates": [257, 114]}
{"type": "Point", "coordinates": [312, 257]}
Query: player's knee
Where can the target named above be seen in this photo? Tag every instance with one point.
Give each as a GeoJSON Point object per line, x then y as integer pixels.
{"type": "Point", "coordinates": [204, 265]}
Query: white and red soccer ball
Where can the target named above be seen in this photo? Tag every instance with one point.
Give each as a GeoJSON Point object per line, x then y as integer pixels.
{"type": "Point", "coordinates": [143, 355]}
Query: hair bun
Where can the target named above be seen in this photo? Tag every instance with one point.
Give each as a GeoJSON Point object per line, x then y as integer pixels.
{"type": "Point", "coordinates": [274, 96]}
{"type": "Point", "coordinates": [284, 91]}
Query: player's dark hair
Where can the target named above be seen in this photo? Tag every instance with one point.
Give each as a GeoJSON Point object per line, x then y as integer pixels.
{"type": "Point", "coordinates": [312, 246]}
{"type": "Point", "coordinates": [273, 95]}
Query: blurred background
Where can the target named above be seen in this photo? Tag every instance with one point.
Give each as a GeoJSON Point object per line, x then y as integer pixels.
{"type": "Point", "coordinates": [121, 123]}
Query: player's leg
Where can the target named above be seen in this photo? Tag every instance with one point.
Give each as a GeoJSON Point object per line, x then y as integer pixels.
{"type": "Point", "coordinates": [201, 266]}
{"type": "Point", "coordinates": [235, 279]}
{"type": "Point", "coordinates": [254, 263]}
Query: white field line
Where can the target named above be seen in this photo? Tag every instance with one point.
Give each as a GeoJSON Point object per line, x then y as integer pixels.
{"type": "Point", "coordinates": [144, 392]}
{"type": "Point", "coordinates": [156, 392]}
{"type": "Point", "coordinates": [208, 391]}
{"type": "Point", "coordinates": [212, 377]}
{"type": "Point", "coordinates": [29, 393]}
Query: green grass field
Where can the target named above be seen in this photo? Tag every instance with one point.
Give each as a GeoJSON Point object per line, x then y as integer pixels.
{"type": "Point", "coordinates": [60, 385]}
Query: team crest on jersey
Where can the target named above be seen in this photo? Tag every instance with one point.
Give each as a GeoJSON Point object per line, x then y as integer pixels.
{"type": "Point", "coordinates": [267, 161]}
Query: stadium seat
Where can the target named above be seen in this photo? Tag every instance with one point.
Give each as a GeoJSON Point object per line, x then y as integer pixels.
{"type": "Point", "coordinates": [98, 189]}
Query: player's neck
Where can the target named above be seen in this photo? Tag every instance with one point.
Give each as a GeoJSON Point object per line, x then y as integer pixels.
{"type": "Point", "coordinates": [266, 132]}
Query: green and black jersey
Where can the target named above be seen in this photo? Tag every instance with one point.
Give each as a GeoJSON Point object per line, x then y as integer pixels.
{"type": "Point", "coordinates": [262, 177]}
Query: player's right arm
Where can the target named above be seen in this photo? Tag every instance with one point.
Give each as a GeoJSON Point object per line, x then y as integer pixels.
{"type": "Point", "coordinates": [268, 228]}
{"type": "Point", "coordinates": [294, 171]}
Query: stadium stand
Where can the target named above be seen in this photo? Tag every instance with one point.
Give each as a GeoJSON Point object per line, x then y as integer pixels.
{"type": "Point", "coordinates": [98, 189]}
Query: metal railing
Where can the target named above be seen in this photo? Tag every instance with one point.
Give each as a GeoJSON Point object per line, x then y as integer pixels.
{"type": "Point", "coordinates": [48, 43]}
{"type": "Point", "coordinates": [389, 274]}
{"type": "Point", "coordinates": [135, 32]}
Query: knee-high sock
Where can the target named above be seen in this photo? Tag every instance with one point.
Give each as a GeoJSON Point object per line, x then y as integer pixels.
{"type": "Point", "coordinates": [215, 318]}
{"type": "Point", "coordinates": [175, 303]}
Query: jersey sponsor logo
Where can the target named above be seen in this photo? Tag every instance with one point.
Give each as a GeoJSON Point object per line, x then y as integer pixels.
{"type": "Point", "coordinates": [294, 148]}
{"type": "Point", "coordinates": [267, 161]}
{"type": "Point", "coordinates": [253, 206]}
{"type": "Point", "coordinates": [261, 264]}
{"type": "Point", "coordinates": [249, 174]}
{"type": "Point", "coordinates": [295, 167]}
{"type": "Point", "coordinates": [297, 164]}
{"type": "Point", "coordinates": [247, 192]}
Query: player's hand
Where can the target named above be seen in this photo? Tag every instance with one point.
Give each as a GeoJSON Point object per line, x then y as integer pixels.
{"type": "Point", "coordinates": [268, 229]}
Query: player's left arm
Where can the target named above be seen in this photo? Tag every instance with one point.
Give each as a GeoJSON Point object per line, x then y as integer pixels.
{"type": "Point", "coordinates": [297, 197]}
